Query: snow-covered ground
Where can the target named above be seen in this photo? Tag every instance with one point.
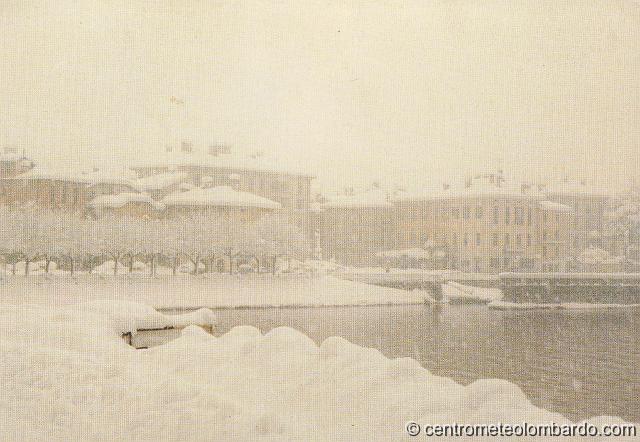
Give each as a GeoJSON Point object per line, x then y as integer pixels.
{"type": "Point", "coordinates": [67, 374]}
{"type": "Point", "coordinates": [211, 291]}
{"type": "Point", "coordinates": [465, 293]}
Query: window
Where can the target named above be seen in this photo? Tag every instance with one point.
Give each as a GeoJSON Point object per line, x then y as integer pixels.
{"type": "Point", "coordinates": [544, 235]}
{"type": "Point", "coordinates": [507, 215]}
{"type": "Point", "coordinates": [528, 239]}
{"type": "Point", "coordinates": [466, 212]}
{"type": "Point", "coordinates": [455, 213]}
{"type": "Point", "coordinates": [479, 212]}
{"type": "Point", "coordinates": [544, 216]}
{"type": "Point", "coordinates": [444, 213]}
{"type": "Point", "coordinates": [466, 240]}
{"type": "Point", "coordinates": [507, 240]}
{"type": "Point", "coordinates": [494, 239]}
{"type": "Point", "coordinates": [454, 239]}
{"type": "Point", "coordinates": [496, 215]}
{"type": "Point", "coordinates": [529, 216]}
{"type": "Point", "coordinates": [519, 214]}
{"type": "Point", "coordinates": [519, 240]}
{"type": "Point", "coordinates": [478, 238]}
{"type": "Point", "coordinates": [494, 263]}
{"type": "Point", "coordinates": [557, 235]}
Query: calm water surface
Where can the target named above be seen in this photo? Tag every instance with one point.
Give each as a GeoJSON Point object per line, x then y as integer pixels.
{"type": "Point", "coordinates": [580, 363]}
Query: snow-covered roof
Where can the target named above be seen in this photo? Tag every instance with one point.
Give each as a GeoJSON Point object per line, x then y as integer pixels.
{"type": "Point", "coordinates": [371, 198]}
{"type": "Point", "coordinates": [122, 199]}
{"type": "Point", "coordinates": [477, 188]}
{"type": "Point", "coordinates": [230, 161]}
{"type": "Point", "coordinates": [574, 188]}
{"type": "Point", "coordinates": [89, 178]}
{"type": "Point", "coordinates": [219, 196]}
{"type": "Point", "coordinates": [160, 181]}
{"type": "Point", "coordinates": [556, 207]}
{"type": "Point", "coordinates": [10, 157]}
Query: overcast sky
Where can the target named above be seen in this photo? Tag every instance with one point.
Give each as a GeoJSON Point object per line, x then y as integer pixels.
{"type": "Point", "coordinates": [405, 92]}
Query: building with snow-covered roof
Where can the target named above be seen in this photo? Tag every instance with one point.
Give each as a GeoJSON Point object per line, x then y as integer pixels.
{"type": "Point", "coordinates": [353, 228]}
{"type": "Point", "coordinates": [590, 205]}
{"type": "Point", "coordinates": [61, 190]}
{"type": "Point", "coordinates": [219, 200]}
{"type": "Point", "coordinates": [486, 225]}
{"type": "Point", "coordinates": [220, 165]}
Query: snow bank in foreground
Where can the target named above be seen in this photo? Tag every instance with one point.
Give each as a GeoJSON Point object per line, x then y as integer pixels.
{"type": "Point", "coordinates": [67, 375]}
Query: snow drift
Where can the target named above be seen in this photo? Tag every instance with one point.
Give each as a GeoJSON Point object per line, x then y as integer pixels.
{"type": "Point", "coordinates": [68, 375]}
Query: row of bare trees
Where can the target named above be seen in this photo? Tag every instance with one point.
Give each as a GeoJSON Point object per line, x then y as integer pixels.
{"type": "Point", "coordinates": [27, 236]}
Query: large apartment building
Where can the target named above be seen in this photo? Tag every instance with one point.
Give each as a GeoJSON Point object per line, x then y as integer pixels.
{"type": "Point", "coordinates": [488, 225]}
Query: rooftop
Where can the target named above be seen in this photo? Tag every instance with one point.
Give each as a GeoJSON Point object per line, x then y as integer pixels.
{"type": "Point", "coordinates": [224, 196]}
{"type": "Point", "coordinates": [224, 160]}
{"type": "Point", "coordinates": [122, 199]}
{"type": "Point", "coordinates": [485, 186]}
{"type": "Point", "coordinates": [371, 198]}
{"type": "Point", "coordinates": [93, 177]}
{"type": "Point", "coordinates": [575, 188]}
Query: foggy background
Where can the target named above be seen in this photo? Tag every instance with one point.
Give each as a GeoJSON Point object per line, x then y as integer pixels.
{"type": "Point", "coordinates": [406, 93]}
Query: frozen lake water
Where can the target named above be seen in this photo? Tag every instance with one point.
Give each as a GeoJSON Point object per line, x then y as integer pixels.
{"type": "Point", "coordinates": [578, 363]}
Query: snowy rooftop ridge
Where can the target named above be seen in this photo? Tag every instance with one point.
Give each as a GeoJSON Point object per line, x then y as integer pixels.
{"type": "Point", "coordinates": [230, 161]}
{"type": "Point", "coordinates": [574, 188]}
{"type": "Point", "coordinates": [160, 181]}
{"type": "Point", "coordinates": [96, 177]}
{"type": "Point", "coordinates": [478, 188]}
{"type": "Point", "coordinates": [371, 198]}
{"type": "Point", "coordinates": [121, 199]}
{"type": "Point", "coordinates": [556, 207]}
{"type": "Point", "coordinates": [223, 196]}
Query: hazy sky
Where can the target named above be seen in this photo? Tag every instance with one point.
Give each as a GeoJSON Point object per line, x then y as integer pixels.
{"type": "Point", "coordinates": [404, 92]}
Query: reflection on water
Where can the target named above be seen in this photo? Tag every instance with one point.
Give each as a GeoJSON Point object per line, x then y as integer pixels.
{"type": "Point", "coordinates": [580, 364]}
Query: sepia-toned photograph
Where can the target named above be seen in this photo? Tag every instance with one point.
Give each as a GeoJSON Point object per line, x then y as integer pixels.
{"type": "Point", "coordinates": [319, 220]}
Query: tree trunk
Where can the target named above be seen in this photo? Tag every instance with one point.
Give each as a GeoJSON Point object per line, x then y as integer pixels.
{"type": "Point", "coordinates": [115, 265]}
{"type": "Point", "coordinates": [175, 265]}
{"type": "Point", "coordinates": [27, 261]}
{"type": "Point", "coordinates": [13, 268]}
{"type": "Point", "coordinates": [152, 265]}
{"type": "Point", "coordinates": [131, 261]}
{"type": "Point", "coordinates": [46, 267]}
{"type": "Point", "coordinates": [273, 266]}
{"type": "Point", "coordinates": [230, 265]}
{"type": "Point", "coordinates": [72, 265]}
{"type": "Point", "coordinates": [195, 264]}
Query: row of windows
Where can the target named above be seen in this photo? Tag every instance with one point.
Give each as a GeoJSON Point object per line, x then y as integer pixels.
{"type": "Point", "coordinates": [520, 215]}
{"type": "Point", "coordinates": [476, 239]}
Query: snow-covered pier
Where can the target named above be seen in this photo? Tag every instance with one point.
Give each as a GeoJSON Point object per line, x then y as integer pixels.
{"type": "Point", "coordinates": [557, 288]}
